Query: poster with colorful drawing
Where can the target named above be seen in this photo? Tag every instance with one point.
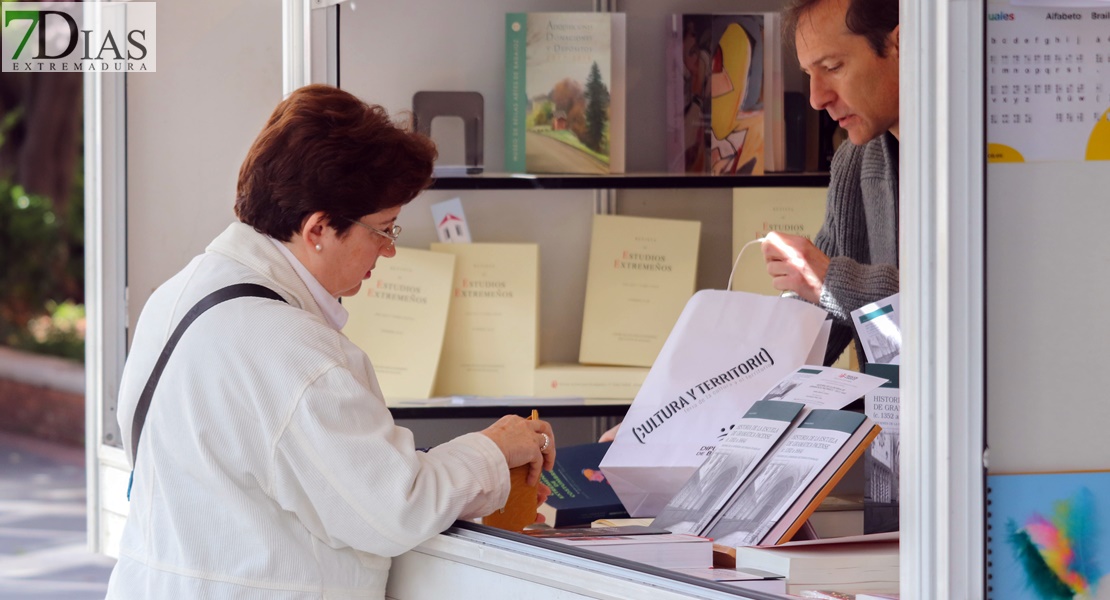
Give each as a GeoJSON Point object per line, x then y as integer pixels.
{"type": "Point", "coordinates": [1047, 536]}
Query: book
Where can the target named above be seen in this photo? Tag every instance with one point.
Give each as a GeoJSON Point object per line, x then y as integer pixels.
{"type": "Point", "coordinates": [641, 273]}
{"type": "Point", "coordinates": [838, 517]}
{"type": "Point", "coordinates": [853, 567]}
{"type": "Point", "coordinates": [881, 463]}
{"type": "Point", "coordinates": [564, 92]}
{"type": "Point", "coordinates": [667, 551]}
{"type": "Point", "coordinates": [696, 505]}
{"type": "Point", "coordinates": [491, 346]}
{"type": "Point", "coordinates": [589, 381]}
{"type": "Point", "coordinates": [620, 522]}
{"type": "Point", "coordinates": [725, 106]}
{"type": "Point", "coordinates": [747, 579]}
{"type": "Point", "coordinates": [826, 595]}
{"type": "Point", "coordinates": [577, 532]}
{"type": "Point", "coordinates": [399, 318]}
{"type": "Point", "coordinates": [580, 494]}
{"type": "Point", "coordinates": [775, 501]}
{"type": "Point", "coordinates": [758, 211]}
{"type": "Point", "coordinates": [1045, 535]}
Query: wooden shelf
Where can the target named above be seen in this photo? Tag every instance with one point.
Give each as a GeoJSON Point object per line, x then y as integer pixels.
{"type": "Point", "coordinates": [616, 409]}
{"type": "Point", "coordinates": [631, 181]}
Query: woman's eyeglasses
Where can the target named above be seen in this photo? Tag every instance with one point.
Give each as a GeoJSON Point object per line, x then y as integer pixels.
{"type": "Point", "coordinates": [391, 235]}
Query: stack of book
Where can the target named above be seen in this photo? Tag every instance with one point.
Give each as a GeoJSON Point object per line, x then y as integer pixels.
{"type": "Point", "coordinates": [864, 564]}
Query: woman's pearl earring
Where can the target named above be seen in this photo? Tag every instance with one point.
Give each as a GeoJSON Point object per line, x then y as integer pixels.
{"type": "Point", "coordinates": [319, 248]}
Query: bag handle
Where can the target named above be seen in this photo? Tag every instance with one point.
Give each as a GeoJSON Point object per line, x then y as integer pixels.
{"type": "Point", "coordinates": [737, 261]}
{"type": "Point", "coordinates": [238, 290]}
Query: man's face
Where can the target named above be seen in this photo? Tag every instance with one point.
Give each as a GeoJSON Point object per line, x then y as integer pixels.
{"type": "Point", "coordinates": [847, 79]}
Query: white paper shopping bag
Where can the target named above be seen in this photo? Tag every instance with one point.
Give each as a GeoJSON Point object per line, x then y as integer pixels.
{"type": "Point", "coordinates": [725, 351]}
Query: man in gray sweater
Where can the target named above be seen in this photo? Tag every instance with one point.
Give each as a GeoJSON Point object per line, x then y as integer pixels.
{"type": "Point", "coordinates": [849, 49]}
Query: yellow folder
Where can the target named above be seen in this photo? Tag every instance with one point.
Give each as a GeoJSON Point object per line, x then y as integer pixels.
{"type": "Point", "coordinates": [492, 340]}
{"type": "Point", "coordinates": [641, 273]}
{"type": "Point", "coordinates": [757, 211]}
{"type": "Point", "coordinates": [399, 317]}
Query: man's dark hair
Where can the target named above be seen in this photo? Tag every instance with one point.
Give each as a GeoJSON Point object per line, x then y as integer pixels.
{"type": "Point", "coordinates": [873, 19]}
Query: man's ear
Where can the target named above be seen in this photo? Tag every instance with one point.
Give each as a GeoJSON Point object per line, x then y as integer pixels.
{"type": "Point", "coordinates": [893, 38]}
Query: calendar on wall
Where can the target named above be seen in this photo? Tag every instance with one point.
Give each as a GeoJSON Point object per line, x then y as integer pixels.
{"type": "Point", "coordinates": [1048, 83]}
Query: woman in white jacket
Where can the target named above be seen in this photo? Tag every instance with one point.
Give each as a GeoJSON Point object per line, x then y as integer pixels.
{"type": "Point", "coordinates": [268, 465]}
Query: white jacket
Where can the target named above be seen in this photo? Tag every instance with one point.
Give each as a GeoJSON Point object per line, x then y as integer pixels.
{"type": "Point", "coordinates": [269, 466]}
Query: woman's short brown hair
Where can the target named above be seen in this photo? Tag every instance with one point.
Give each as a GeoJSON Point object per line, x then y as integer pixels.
{"type": "Point", "coordinates": [323, 149]}
{"type": "Point", "coordinates": [873, 19]}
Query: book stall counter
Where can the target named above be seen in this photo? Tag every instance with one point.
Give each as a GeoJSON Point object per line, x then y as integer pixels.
{"type": "Point", "coordinates": [469, 561]}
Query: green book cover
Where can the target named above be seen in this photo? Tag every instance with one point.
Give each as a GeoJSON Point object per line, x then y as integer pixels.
{"type": "Point", "coordinates": [516, 99]}
{"type": "Point", "coordinates": [564, 92]}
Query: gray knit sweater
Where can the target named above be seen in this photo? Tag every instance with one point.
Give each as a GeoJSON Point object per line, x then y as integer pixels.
{"type": "Point", "coordinates": [860, 234]}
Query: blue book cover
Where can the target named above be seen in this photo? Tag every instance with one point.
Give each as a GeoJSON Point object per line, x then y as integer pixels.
{"type": "Point", "coordinates": [579, 492]}
{"type": "Point", "coordinates": [1046, 535]}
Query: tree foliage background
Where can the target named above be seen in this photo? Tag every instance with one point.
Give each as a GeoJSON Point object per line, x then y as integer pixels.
{"type": "Point", "coordinates": [41, 211]}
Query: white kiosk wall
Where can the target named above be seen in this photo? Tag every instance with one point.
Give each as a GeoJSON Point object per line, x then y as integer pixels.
{"type": "Point", "coordinates": [1048, 278]}
{"type": "Point", "coordinates": [188, 128]}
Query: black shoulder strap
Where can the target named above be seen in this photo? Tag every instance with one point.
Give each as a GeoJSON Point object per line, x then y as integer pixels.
{"type": "Point", "coordinates": [237, 290]}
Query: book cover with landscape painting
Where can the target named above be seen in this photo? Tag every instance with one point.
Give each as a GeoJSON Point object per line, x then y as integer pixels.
{"type": "Point", "coordinates": [564, 92]}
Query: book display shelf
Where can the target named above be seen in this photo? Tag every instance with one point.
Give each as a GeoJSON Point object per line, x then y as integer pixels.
{"type": "Point", "coordinates": [387, 56]}
{"type": "Point", "coordinates": [555, 211]}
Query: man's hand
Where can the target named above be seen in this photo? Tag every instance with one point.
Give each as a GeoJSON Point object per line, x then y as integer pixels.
{"type": "Point", "coordinates": [795, 264]}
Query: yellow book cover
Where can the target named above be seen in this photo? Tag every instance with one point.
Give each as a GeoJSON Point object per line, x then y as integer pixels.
{"type": "Point", "coordinates": [757, 211]}
{"type": "Point", "coordinates": [641, 273]}
{"type": "Point", "coordinates": [491, 346]}
{"type": "Point", "coordinates": [588, 381]}
{"type": "Point", "coordinates": [399, 317]}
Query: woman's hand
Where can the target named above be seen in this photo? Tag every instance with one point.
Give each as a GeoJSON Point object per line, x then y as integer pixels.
{"type": "Point", "coordinates": [524, 442]}
{"type": "Point", "coordinates": [542, 494]}
{"type": "Point", "coordinates": [795, 264]}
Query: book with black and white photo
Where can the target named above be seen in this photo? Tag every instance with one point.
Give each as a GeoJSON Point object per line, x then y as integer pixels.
{"type": "Point", "coordinates": [775, 502]}
{"type": "Point", "coordinates": [735, 458]}
{"type": "Point", "coordinates": [881, 464]}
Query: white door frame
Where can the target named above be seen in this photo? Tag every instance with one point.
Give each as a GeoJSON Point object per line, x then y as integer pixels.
{"type": "Point", "coordinates": [942, 247]}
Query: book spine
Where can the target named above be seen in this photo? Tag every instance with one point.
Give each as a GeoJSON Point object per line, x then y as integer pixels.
{"type": "Point", "coordinates": [618, 91]}
{"type": "Point", "coordinates": [819, 497]}
{"type": "Point", "coordinates": [570, 517]}
{"type": "Point", "coordinates": [676, 148]}
{"type": "Point", "coordinates": [516, 100]}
